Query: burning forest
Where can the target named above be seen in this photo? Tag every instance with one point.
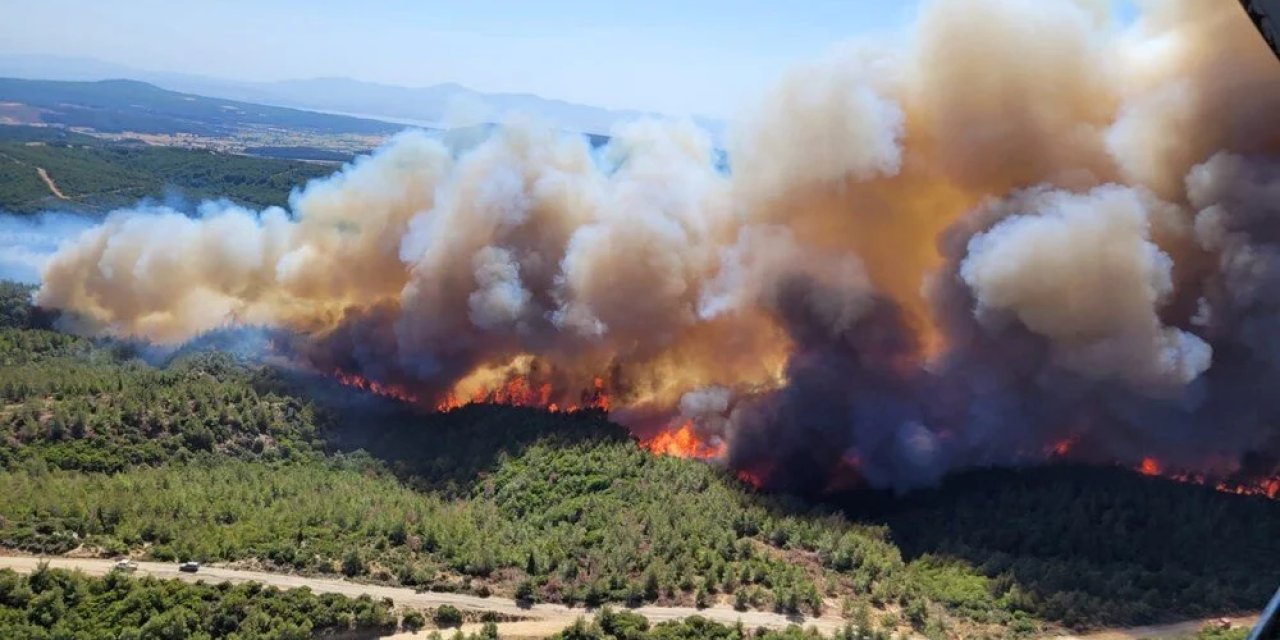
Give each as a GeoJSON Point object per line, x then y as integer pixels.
{"type": "Point", "coordinates": [1019, 232]}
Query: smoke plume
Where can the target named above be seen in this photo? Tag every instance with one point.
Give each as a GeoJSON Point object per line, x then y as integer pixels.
{"type": "Point", "coordinates": [1026, 232]}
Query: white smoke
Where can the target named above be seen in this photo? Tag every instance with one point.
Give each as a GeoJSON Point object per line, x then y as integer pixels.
{"type": "Point", "coordinates": [1081, 270]}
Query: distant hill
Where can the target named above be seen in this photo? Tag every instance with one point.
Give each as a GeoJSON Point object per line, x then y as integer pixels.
{"type": "Point", "coordinates": [410, 105]}
{"type": "Point", "coordinates": [426, 105]}
{"type": "Point", "coordinates": [94, 175]}
{"type": "Point", "coordinates": [128, 105]}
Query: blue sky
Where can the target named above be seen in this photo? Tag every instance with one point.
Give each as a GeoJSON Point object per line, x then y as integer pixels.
{"type": "Point", "coordinates": [674, 56]}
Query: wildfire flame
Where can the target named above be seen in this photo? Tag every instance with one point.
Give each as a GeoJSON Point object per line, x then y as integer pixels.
{"type": "Point", "coordinates": [750, 477]}
{"type": "Point", "coordinates": [372, 386]}
{"type": "Point", "coordinates": [1269, 487]}
{"type": "Point", "coordinates": [1149, 467]}
{"type": "Point", "coordinates": [520, 392]}
{"type": "Point", "coordinates": [684, 443]}
{"type": "Point", "coordinates": [517, 391]}
{"type": "Point", "coordinates": [1062, 447]}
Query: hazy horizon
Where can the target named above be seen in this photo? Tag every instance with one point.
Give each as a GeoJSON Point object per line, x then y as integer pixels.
{"type": "Point", "coordinates": [678, 59]}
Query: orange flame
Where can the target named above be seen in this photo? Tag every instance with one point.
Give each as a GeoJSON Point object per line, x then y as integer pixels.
{"type": "Point", "coordinates": [1149, 467]}
{"type": "Point", "coordinates": [598, 397]}
{"type": "Point", "coordinates": [750, 477]}
{"type": "Point", "coordinates": [1269, 487]}
{"type": "Point", "coordinates": [520, 392]}
{"type": "Point", "coordinates": [683, 443]}
{"type": "Point", "coordinates": [1062, 447]}
{"type": "Point", "coordinates": [377, 388]}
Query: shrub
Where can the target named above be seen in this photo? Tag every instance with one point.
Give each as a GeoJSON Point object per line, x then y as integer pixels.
{"type": "Point", "coordinates": [413, 620]}
{"type": "Point", "coordinates": [525, 591]}
{"type": "Point", "coordinates": [352, 564]}
{"type": "Point", "coordinates": [447, 616]}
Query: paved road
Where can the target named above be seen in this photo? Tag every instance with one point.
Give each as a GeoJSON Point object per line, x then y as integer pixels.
{"type": "Point", "coordinates": [538, 621]}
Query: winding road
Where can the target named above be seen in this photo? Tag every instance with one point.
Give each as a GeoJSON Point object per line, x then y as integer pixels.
{"type": "Point", "coordinates": [537, 621]}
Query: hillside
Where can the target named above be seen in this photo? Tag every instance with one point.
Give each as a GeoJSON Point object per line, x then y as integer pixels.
{"type": "Point", "coordinates": [93, 175]}
{"type": "Point", "coordinates": [209, 457]}
{"type": "Point", "coordinates": [128, 105]}
{"type": "Point", "coordinates": [54, 603]}
{"type": "Point", "coordinates": [428, 104]}
{"type": "Point", "coordinates": [1093, 546]}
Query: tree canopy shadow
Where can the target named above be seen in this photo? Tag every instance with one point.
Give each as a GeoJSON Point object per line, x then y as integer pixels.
{"type": "Point", "coordinates": [1126, 548]}
{"type": "Point", "coordinates": [451, 450]}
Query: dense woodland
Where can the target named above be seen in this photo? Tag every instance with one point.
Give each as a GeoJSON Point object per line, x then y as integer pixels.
{"type": "Point", "coordinates": [1101, 545]}
{"type": "Point", "coordinates": [97, 176]}
{"type": "Point", "coordinates": [113, 449]}
{"type": "Point", "coordinates": [50, 604]}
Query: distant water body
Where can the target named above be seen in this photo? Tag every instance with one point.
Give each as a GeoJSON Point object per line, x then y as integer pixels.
{"type": "Point", "coordinates": [409, 122]}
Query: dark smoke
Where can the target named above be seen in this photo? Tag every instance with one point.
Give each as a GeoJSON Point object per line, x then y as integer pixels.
{"type": "Point", "coordinates": [1028, 233]}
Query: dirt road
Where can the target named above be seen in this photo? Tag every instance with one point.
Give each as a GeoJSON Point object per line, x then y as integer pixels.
{"type": "Point", "coordinates": [1186, 629]}
{"type": "Point", "coordinates": [539, 620]}
{"type": "Point", "coordinates": [53, 186]}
